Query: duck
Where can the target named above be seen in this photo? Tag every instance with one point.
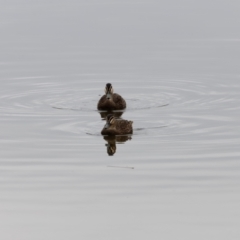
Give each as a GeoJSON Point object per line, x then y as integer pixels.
{"type": "Point", "coordinates": [110, 100]}
{"type": "Point", "coordinates": [116, 126]}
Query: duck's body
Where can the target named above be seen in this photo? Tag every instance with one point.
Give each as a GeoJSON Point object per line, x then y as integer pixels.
{"type": "Point", "coordinates": [111, 101]}
{"type": "Point", "coordinates": [115, 126]}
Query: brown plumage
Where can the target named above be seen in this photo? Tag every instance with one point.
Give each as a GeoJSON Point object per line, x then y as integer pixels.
{"type": "Point", "coordinates": [115, 126]}
{"type": "Point", "coordinates": [111, 101]}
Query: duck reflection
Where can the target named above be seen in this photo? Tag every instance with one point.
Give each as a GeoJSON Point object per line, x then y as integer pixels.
{"type": "Point", "coordinates": [112, 141]}
{"type": "Point", "coordinates": [104, 114]}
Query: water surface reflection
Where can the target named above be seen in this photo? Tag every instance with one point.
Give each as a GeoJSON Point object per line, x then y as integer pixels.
{"type": "Point", "coordinates": [116, 114]}
{"type": "Point", "coordinates": [113, 140]}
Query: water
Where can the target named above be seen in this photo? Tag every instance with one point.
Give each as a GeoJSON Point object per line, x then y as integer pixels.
{"type": "Point", "coordinates": [177, 175]}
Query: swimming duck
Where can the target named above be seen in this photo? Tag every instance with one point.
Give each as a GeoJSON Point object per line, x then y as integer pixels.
{"type": "Point", "coordinates": [111, 101]}
{"type": "Point", "coordinates": [115, 126]}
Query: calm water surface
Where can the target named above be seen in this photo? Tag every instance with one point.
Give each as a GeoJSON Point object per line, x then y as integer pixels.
{"type": "Point", "coordinates": [177, 175]}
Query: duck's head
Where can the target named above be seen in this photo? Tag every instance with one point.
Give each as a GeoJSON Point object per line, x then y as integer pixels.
{"type": "Point", "coordinates": [109, 121]}
{"type": "Point", "coordinates": [109, 91]}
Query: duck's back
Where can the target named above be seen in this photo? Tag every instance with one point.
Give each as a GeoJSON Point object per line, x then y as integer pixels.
{"type": "Point", "coordinates": [124, 126]}
{"type": "Point", "coordinates": [120, 127]}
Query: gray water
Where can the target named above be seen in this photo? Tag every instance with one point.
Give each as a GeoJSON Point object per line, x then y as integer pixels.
{"type": "Point", "coordinates": [177, 65]}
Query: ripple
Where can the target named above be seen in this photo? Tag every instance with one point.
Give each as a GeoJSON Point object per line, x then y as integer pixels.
{"type": "Point", "coordinates": [163, 108]}
{"type": "Point", "coordinates": [89, 105]}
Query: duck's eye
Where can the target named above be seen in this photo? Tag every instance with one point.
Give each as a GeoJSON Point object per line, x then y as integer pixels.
{"type": "Point", "coordinates": [111, 90]}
